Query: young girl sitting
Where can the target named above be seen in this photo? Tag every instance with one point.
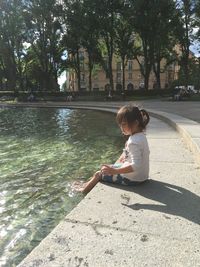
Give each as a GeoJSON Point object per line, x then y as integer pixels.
{"type": "Point", "coordinates": [133, 165]}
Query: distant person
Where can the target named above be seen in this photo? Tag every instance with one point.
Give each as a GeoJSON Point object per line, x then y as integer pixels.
{"type": "Point", "coordinates": [123, 95]}
{"type": "Point", "coordinates": [133, 166]}
{"type": "Point", "coordinates": [69, 98]}
{"type": "Point", "coordinates": [110, 96]}
{"type": "Point", "coordinates": [31, 98]}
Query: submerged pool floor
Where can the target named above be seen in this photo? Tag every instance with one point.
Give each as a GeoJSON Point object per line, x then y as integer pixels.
{"type": "Point", "coordinates": [42, 151]}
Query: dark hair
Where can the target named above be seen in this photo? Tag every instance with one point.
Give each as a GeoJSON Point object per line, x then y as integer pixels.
{"type": "Point", "coordinates": [131, 114]}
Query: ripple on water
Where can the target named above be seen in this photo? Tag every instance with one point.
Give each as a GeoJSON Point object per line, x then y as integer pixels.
{"type": "Point", "coordinates": [42, 153]}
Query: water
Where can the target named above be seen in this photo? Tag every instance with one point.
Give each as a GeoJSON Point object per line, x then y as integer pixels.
{"type": "Point", "coordinates": [42, 151]}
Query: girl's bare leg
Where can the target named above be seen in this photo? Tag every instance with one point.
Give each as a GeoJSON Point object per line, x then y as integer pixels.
{"type": "Point", "coordinates": [86, 187]}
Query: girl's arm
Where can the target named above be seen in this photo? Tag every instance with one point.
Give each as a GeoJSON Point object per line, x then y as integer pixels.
{"type": "Point", "coordinates": [109, 170]}
{"type": "Point", "coordinates": [121, 158]}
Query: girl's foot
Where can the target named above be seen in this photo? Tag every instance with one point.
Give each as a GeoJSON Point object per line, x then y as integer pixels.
{"type": "Point", "coordinates": [79, 186]}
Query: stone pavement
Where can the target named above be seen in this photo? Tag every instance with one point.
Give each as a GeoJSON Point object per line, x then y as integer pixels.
{"type": "Point", "coordinates": [154, 224]}
{"type": "Point", "coordinates": [190, 110]}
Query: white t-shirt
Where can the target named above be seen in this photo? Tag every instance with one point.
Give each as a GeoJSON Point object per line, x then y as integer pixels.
{"type": "Point", "coordinates": [137, 153]}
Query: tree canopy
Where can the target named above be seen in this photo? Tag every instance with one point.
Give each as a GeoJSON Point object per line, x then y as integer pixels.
{"type": "Point", "coordinates": [35, 34]}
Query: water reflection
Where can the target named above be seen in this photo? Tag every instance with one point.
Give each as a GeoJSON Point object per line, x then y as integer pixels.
{"type": "Point", "coordinates": [41, 152]}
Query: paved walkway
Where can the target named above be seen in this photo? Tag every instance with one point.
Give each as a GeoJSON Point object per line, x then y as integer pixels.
{"type": "Point", "coordinates": [155, 224]}
{"type": "Point", "coordinates": [190, 110]}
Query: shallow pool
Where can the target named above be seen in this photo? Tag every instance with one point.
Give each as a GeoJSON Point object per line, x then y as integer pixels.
{"type": "Point", "coordinates": [42, 151]}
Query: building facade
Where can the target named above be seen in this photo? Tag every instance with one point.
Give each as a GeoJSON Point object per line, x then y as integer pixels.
{"type": "Point", "coordinates": [133, 77]}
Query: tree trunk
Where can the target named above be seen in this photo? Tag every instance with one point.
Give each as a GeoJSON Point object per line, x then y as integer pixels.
{"type": "Point", "coordinates": [158, 81]}
{"type": "Point", "coordinates": [186, 45]}
{"type": "Point", "coordinates": [147, 62]}
{"type": "Point", "coordinates": [147, 70]}
{"type": "Point", "coordinates": [78, 72]}
{"type": "Point", "coordinates": [123, 74]}
{"type": "Point", "coordinates": [90, 80]}
{"type": "Point", "coordinates": [55, 81]}
{"type": "Point", "coordinates": [10, 68]}
{"type": "Point", "coordinates": [156, 69]}
{"type": "Point", "coordinates": [109, 46]}
{"type": "Point", "coordinates": [186, 69]}
{"type": "Point", "coordinates": [1, 84]}
{"type": "Point", "coordinates": [90, 71]}
{"type": "Point", "coordinates": [12, 79]}
{"type": "Point", "coordinates": [111, 74]}
{"type": "Point", "coordinates": [146, 82]}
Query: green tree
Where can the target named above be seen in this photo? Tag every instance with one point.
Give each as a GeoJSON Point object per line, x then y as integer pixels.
{"type": "Point", "coordinates": [72, 39]}
{"type": "Point", "coordinates": [106, 13]}
{"type": "Point", "coordinates": [12, 37]}
{"type": "Point", "coordinates": [90, 36]}
{"type": "Point", "coordinates": [33, 77]}
{"type": "Point", "coordinates": [197, 24]}
{"type": "Point", "coordinates": [124, 40]}
{"type": "Point", "coordinates": [44, 31]}
{"type": "Point", "coordinates": [2, 74]}
{"type": "Point", "coordinates": [184, 32]}
{"type": "Point", "coordinates": [163, 24]}
{"type": "Point", "coordinates": [143, 13]}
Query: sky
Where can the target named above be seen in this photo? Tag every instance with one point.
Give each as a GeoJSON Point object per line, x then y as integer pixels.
{"type": "Point", "coordinates": [62, 78]}
{"type": "Point", "coordinates": [194, 49]}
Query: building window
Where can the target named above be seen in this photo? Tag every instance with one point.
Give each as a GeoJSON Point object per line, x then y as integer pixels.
{"type": "Point", "coordinates": [130, 87]}
{"type": "Point", "coordinates": [130, 65]}
{"type": "Point", "coordinates": [119, 87]}
{"type": "Point", "coordinates": [119, 66]}
{"type": "Point", "coordinates": [130, 75]}
{"type": "Point", "coordinates": [82, 66]}
{"type": "Point", "coordinates": [81, 55]}
{"type": "Point", "coordinates": [118, 77]}
{"type": "Point", "coordinates": [82, 77]}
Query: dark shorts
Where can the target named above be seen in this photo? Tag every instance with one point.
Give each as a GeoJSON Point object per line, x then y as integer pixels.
{"type": "Point", "coordinates": [118, 179]}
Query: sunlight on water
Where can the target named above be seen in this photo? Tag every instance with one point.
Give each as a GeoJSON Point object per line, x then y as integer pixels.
{"type": "Point", "coordinates": [42, 151]}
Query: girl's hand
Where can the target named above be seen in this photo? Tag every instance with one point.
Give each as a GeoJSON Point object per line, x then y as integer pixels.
{"type": "Point", "coordinates": [108, 170]}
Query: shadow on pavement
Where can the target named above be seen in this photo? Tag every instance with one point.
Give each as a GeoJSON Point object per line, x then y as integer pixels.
{"type": "Point", "coordinates": [174, 199]}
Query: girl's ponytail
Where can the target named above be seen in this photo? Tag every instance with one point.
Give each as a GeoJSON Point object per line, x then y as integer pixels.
{"type": "Point", "coordinates": [145, 117]}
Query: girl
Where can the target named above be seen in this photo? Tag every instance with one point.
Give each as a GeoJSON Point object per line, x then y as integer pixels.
{"type": "Point", "coordinates": [133, 165]}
